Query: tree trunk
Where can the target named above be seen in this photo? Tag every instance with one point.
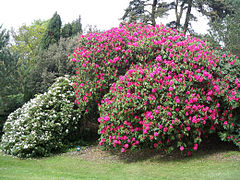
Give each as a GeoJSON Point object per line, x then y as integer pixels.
{"type": "Point", "coordinates": [176, 13]}
{"type": "Point", "coordinates": [154, 6]}
{"type": "Point", "coordinates": [185, 27]}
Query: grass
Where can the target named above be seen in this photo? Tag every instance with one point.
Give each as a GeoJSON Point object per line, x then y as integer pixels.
{"type": "Point", "coordinates": [221, 162]}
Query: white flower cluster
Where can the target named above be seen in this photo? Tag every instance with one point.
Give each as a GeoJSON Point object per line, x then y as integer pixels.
{"type": "Point", "coordinates": [45, 124]}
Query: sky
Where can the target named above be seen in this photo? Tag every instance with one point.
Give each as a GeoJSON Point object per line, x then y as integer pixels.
{"type": "Point", "coordinates": [105, 14]}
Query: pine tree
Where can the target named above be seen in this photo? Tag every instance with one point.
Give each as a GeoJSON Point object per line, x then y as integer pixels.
{"type": "Point", "coordinates": [145, 11]}
{"type": "Point", "coordinates": [77, 26]}
{"type": "Point", "coordinates": [70, 30]}
{"type": "Point", "coordinates": [52, 33]}
{"type": "Point", "coordinates": [67, 30]}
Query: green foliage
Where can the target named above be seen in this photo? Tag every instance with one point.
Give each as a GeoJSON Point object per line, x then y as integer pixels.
{"type": "Point", "coordinates": [50, 64]}
{"type": "Point", "coordinates": [228, 70]}
{"type": "Point", "coordinates": [9, 78]}
{"type": "Point", "coordinates": [4, 38]}
{"type": "Point", "coordinates": [52, 33]}
{"type": "Point", "coordinates": [216, 9]}
{"type": "Point", "coordinates": [70, 30]}
{"type": "Point", "coordinates": [77, 26]}
{"type": "Point", "coordinates": [67, 31]}
{"type": "Point", "coordinates": [138, 11]}
{"type": "Point", "coordinates": [226, 31]}
{"type": "Point", "coordinates": [26, 41]}
{"type": "Point", "coordinates": [45, 124]}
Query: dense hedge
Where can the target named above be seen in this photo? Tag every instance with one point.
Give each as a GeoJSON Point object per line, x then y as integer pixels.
{"type": "Point", "coordinates": [44, 125]}
{"type": "Point", "coordinates": [177, 89]}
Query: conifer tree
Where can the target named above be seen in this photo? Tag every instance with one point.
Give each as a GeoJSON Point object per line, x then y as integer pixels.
{"type": "Point", "coordinates": [70, 30]}
{"type": "Point", "coordinates": [52, 33]}
{"type": "Point", "coordinates": [76, 26]}
{"type": "Point", "coordinates": [145, 11]}
{"type": "Point", "coordinates": [67, 30]}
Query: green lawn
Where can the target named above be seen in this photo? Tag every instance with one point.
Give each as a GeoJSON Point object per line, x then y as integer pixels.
{"type": "Point", "coordinates": [208, 164]}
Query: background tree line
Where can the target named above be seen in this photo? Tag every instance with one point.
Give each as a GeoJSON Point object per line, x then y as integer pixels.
{"type": "Point", "coordinates": [222, 15]}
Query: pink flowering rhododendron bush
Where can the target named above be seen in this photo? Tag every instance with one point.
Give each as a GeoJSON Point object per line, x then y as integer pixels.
{"type": "Point", "coordinates": [156, 87]}
{"type": "Point", "coordinates": [102, 57]}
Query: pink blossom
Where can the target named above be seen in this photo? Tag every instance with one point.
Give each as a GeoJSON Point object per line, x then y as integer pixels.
{"type": "Point", "coordinates": [159, 58]}
{"type": "Point", "coordinates": [106, 118]}
{"type": "Point", "coordinates": [169, 114]}
{"type": "Point", "coordinates": [195, 147]}
{"type": "Point", "coordinates": [208, 98]}
{"type": "Point", "coordinates": [209, 76]}
{"type": "Point", "coordinates": [205, 73]}
{"type": "Point", "coordinates": [165, 129]}
{"type": "Point", "coordinates": [181, 148]}
{"type": "Point", "coordinates": [154, 90]}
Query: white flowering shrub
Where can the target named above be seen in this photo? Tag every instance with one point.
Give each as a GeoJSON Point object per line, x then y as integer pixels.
{"type": "Point", "coordinates": [46, 124]}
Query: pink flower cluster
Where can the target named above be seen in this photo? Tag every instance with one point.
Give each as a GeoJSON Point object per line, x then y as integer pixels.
{"type": "Point", "coordinates": [156, 86]}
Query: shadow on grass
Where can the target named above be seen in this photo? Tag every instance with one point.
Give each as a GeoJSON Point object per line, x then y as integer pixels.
{"type": "Point", "coordinates": [211, 148]}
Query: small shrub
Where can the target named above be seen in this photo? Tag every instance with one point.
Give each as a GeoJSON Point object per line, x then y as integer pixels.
{"type": "Point", "coordinates": [44, 125]}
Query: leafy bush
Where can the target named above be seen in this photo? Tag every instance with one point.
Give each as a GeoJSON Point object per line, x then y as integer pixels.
{"type": "Point", "coordinates": [174, 94]}
{"type": "Point", "coordinates": [44, 125]}
{"type": "Point", "coordinates": [227, 71]}
{"type": "Point", "coordinates": [50, 64]}
{"type": "Point", "coordinates": [10, 104]}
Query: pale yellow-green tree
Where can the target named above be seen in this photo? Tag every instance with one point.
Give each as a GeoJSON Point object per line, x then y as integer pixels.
{"type": "Point", "coordinates": [26, 41]}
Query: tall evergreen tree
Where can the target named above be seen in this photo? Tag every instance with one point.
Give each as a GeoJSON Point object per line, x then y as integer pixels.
{"type": "Point", "coordinates": [77, 26]}
{"type": "Point", "coordinates": [67, 30]}
{"type": "Point", "coordinates": [70, 30]}
{"type": "Point", "coordinates": [52, 33]}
